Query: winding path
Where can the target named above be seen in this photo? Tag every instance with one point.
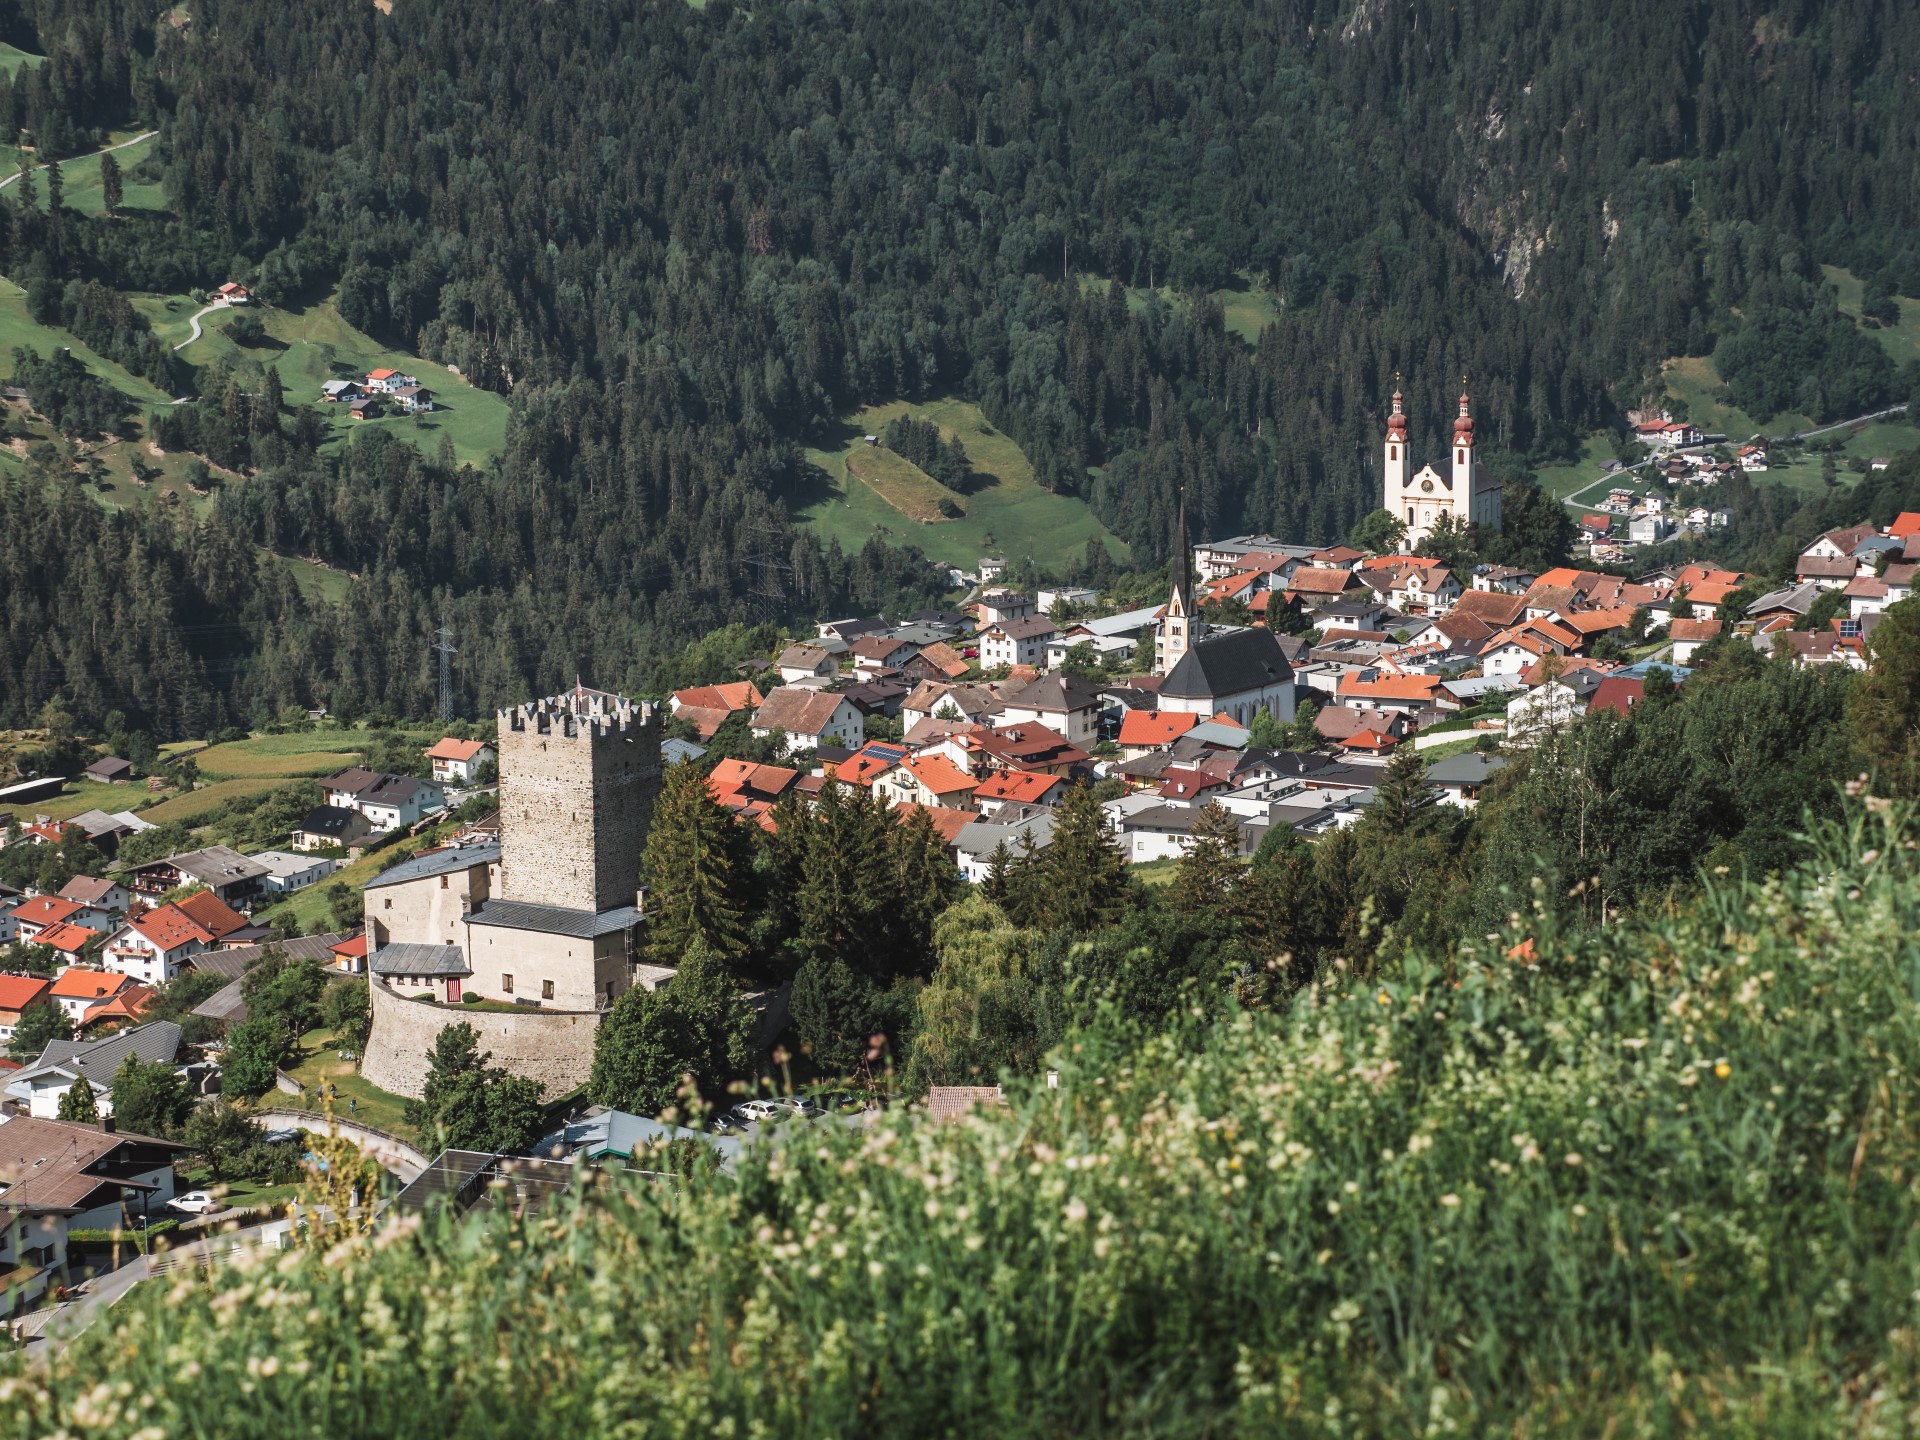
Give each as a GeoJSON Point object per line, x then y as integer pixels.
{"type": "Point", "coordinates": [194, 321]}
{"type": "Point", "coordinates": [68, 160]}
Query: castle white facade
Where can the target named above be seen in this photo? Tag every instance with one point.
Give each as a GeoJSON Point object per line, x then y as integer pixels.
{"type": "Point", "coordinates": [1419, 499]}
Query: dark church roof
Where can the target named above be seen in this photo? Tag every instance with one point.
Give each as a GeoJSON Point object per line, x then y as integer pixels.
{"type": "Point", "coordinates": [1229, 664]}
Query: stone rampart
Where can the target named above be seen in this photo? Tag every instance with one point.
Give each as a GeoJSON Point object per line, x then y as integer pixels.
{"type": "Point", "coordinates": [554, 1047]}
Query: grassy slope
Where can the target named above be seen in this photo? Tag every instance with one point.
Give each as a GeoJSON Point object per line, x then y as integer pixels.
{"type": "Point", "coordinates": [11, 59]}
{"type": "Point", "coordinates": [1657, 1183]}
{"type": "Point", "coordinates": [321, 1063]}
{"type": "Point", "coordinates": [82, 181]}
{"type": "Point", "coordinates": [901, 483]}
{"type": "Point", "coordinates": [1902, 341]}
{"type": "Point", "coordinates": [1246, 309]}
{"type": "Point", "coordinates": [1023, 520]}
{"type": "Point", "coordinates": [18, 329]}
{"type": "Point", "coordinates": [312, 344]}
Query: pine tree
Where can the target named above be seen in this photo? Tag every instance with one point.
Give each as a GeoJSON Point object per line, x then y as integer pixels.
{"type": "Point", "coordinates": [29, 196]}
{"type": "Point", "coordinates": [927, 883]}
{"type": "Point", "coordinates": [1404, 796]}
{"type": "Point", "coordinates": [695, 864]}
{"type": "Point", "coordinates": [110, 184]}
{"type": "Point", "coordinates": [78, 1104]}
{"type": "Point", "coordinates": [1211, 867]}
{"type": "Point", "coordinates": [847, 896]}
{"type": "Point", "coordinates": [1084, 874]}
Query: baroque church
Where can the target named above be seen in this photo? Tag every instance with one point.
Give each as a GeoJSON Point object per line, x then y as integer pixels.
{"type": "Point", "coordinates": [1235, 671]}
{"type": "Point", "coordinates": [1418, 501]}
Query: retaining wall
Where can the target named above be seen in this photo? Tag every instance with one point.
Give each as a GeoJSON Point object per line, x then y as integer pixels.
{"type": "Point", "coordinates": [554, 1047]}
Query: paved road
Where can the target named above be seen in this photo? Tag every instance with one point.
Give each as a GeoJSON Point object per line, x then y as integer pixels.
{"type": "Point", "coordinates": [389, 1152]}
{"type": "Point", "coordinates": [68, 160]}
{"type": "Point", "coordinates": [194, 321]}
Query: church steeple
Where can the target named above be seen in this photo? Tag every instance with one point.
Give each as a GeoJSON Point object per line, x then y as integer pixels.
{"type": "Point", "coordinates": [1178, 626]}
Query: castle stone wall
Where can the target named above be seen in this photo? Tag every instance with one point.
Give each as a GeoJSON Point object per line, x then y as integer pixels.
{"type": "Point", "coordinates": [554, 1047]}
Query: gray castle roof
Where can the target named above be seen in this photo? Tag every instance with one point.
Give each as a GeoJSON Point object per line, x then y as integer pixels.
{"type": "Point", "coordinates": [554, 919]}
{"type": "Point", "coordinates": [410, 959]}
{"type": "Point", "coordinates": [438, 862]}
{"type": "Point", "coordinates": [1230, 664]}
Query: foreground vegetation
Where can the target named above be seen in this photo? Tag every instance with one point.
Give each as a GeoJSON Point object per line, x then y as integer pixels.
{"type": "Point", "coordinates": [1650, 1180]}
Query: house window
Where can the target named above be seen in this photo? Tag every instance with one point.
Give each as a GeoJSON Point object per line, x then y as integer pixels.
{"type": "Point", "coordinates": [443, 882]}
{"type": "Point", "coordinates": [546, 989]}
{"type": "Point", "coordinates": [506, 984]}
{"type": "Point", "coordinates": [389, 903]}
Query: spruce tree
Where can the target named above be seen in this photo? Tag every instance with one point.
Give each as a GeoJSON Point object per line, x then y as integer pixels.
{"type": "Point", "coordinates": [1404, 796]}
{"type": "Point", "coordinates": [78, 1104]}
{"type": "Point", "coordinates": [1083, 873]}
{"type": "Point", "coordinates": [695, 864]}
{"type": "Point", "coordinates": [1211, 867]}
{"type": "Point", "coordinates": [110, 185]}
{"type": "Point", "coordinates": [847, 881]}
{"type": "Point", "coordinates": [927, 883]}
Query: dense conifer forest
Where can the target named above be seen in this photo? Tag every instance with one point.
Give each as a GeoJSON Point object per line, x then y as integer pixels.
{"type": "Point", "coordinates": [684, 241]}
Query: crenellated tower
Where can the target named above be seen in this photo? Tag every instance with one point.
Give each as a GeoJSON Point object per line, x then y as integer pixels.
{"type": "Point", "coordinates": [579, 772]}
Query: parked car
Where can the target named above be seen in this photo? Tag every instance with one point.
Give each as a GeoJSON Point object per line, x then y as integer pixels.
{"type": "Point", "coordinates": [752, 1110]}
{"type": "Point", "coordinates": [804, 1105]}
{"type": "Point", "coordinates": [194, 1202]}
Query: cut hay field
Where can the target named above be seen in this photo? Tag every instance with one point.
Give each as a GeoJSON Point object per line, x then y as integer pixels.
{"type": "Point", "coordinates": [20, 330]}
{"type": "Point", "coordinates": [198, 804]}
{"type": "Point", "coordinates": [79, 797]}
{"type": "Point", "coordinates": [81, 181]}
{"type": "Point", "coordinates": [254, 759]}
{"type": "Point", "coordinates": [1008, 513]}
{"type": "Point", "coordinates": [903, 485]}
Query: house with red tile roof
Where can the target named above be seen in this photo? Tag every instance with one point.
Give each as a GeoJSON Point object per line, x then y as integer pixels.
{"type": "Point", "coordinates": [78, 989]}
{"type": "Point", "coordinates": [350, 955]}
{"type": "Point", "coordinates": [806, 719]}
{"type": "Point", "coordinates": [1617, 693]}
{"type": "Point", "coordinates": [747, 788]}
{"type": "Point", "coordinates": [930, 780]}
{"type": "Point", "coordinates": [69, 941]}
{"type": "Point", "coordinates": [458, 761]}
{"type": "Point", "coordinates": [1689, 635]}
{"type": "Point", "coordinates": [19, 994]}
{"type": "Point", "coordinates": [154, 946]}
{"type": "Point", "coordinates": [130, 1004]}
{"type": "Point", "coordinates": [1399, 694]}
{"type": "Point", "coordinates": [1143, 731]}
{"type": "Point", "coordinates": [1004, 788]}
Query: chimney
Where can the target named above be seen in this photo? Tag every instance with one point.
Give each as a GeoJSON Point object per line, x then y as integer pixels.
{"type": "Point", "coordinates": [106, 1125]}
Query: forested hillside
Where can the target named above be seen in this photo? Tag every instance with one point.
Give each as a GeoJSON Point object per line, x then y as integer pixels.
{"type": "Point", "coordinates": [685, 240]}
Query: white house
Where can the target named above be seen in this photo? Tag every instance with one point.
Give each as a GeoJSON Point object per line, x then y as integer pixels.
{"type": "Point", "coordinates": [393, 801]}
{"type": "Point", "coordinates": [809, 719]}
{"type": "Point", "coordinates": [999, 605]}
{"type": "Point", "coordinates": [1016, 642]}
{"type": "Point", "coordinates": [806, 662]}
{"type": "Point", "coordinates": [40, 1085]}
{"type": "Point", "coordinates": [1075, 597]}
{"type": "Point", "coordinates": [456, 762]}
{"type": "Point", "coordinates": [288, 872]}
{"type": "Point", "coordinates": [1064, 704]}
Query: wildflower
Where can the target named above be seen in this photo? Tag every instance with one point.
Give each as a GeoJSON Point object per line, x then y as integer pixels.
{"type": "Point", "coordinates": [1573, 1157]}
{"type": "Point", "coordinates": [932, 1209]}
{"type": "Point", "coordinates": [1722, 1070]}
{"type": "Point", "coordinates": [1333, 1207]}
{"type": "Point", "coordinates": [876, 1269]}
{"type": "Point", "coordinates": [1580, 1211]}
{"type": "Point", "coordinates": [1076, 1210]}
{"type": "Point", "coordinates": [1450, 1200]}
{"type": "Point", "coordinates": [1385, 999]}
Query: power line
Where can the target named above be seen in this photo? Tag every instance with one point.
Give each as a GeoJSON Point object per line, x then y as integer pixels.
{"type": "Point", "coordinates": [444, 645]}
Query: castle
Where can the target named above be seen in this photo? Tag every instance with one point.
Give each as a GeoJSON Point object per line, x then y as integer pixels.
{"type": "Point", "coordinates": [1418, 502]}
{"type": "Point", "coordinates": [544, 919]}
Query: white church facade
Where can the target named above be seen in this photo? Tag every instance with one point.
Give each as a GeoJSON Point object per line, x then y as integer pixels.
{"type": "Point", "coordinates": [1419, 499]}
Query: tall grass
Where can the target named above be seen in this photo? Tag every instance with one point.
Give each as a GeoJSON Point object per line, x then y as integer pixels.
{"type": "Point", "coordinates": [1660, 1181]}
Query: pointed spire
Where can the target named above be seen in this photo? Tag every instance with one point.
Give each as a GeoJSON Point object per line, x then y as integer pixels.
{"type": "Point", "coordinates": [1182, 556]}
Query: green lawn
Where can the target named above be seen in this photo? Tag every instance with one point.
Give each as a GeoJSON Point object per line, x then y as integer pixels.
{"type": "Point", "coordinates": [1563, 479]}
{"type": "Point", "coordinates": [1696, 380]}
{"type": "Point", "coordinates": [1008, 514]}
{"type": "Point", "coordinates": [1246, 307]}
{"type": "Point", "coordinates": [313, 344]}
{"type": "Point", "coordinates": [1155, 872]}
{"type": "Point", "coordinates": [79, 796]}
{"type": "Point", "coordinates": [369, 1105]}
{"type": "Point", "coordinates": [316, 581]}
{"type": "Point", "coordinates": [81, 179]}
{"type": "Point", "coordinates": [18, 329]}
{"type": "Point", "coordinates": [11, 59]}
{"type": "Point", "coordinates": [1902, 341]}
